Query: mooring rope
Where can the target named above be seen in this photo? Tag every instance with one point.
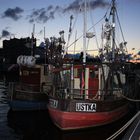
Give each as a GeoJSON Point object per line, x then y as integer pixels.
{"type": "Point", "coordinates": [130, 99]}
{"type": "Point", "coordinates": [123, 128]}
{"type": "Point", "coordinates": [134, 130]}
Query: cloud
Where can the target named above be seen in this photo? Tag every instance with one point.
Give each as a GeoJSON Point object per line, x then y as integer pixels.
{"type": "Point", "coordinates": [77, 5]}
{"type": "Point", "coordinates": [98, 4]}
{"type": "Point", "coordinates": [43, 15]}
{"type": "Point", "coordinates": [74, 6]}
{"type": "Point", "coordinates": [49, 13]}
{"type": "Point", "coordinates": [14, 13]}
{"type": "Point", "coordinates": [5, 34]}
{"type": "Point", "coordinates": [50, 8]}
{"type": "Point", "coordinates": [39, 15]}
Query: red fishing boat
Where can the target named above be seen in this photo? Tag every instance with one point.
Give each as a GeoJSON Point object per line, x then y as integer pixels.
{"type": "Point", "coordinates": [86, 92]}
{"type": "Point", "coordinates": [86, 104]}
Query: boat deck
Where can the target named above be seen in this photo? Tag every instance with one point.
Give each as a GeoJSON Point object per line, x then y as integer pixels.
{"type": "Point", "coordinates": [133, 132]}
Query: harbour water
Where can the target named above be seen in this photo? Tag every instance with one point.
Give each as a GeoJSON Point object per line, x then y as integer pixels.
{"type": "Point", "coordinates": [6, 132]}
{"type": "Point", "coordinates": [38, 125]}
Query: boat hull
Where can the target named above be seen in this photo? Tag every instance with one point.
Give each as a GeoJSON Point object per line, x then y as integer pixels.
{"type": "Point", "coordinates": [22, 100]}
{"type": "Point", "coordinates": [67, 120]}
{"type": "Point", "coordinates": [19, 105]}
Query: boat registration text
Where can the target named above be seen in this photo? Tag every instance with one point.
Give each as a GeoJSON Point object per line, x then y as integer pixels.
{"type": "Point", "coordinates": [53, 103]}
{"type": "Point", "coordinates": [86, 107]}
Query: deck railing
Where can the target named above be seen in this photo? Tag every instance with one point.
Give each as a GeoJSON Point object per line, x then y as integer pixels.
{"type": "Point", "coordinates": [88, 93]}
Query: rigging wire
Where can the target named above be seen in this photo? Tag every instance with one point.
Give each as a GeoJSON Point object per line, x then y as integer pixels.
{"type": "Point", "coordinates": [109, 7]}
{"type": "Point", "coordinates": [71, 30]}
{"type": "Point", "coordinates": [87, 30]}
{"type": "Point", "coordinates": [93, 24]}
{"type": "Point", "coordinates": [92, 27]}
{"type": "Point", "coordinates": [120, 28]}
{"type": "Point", "coordinates": [130, 99]}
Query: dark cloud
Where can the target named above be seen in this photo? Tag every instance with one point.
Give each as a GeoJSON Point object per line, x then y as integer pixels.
{"type": "Point", "coordinates": [43, 15]}
{"type": "Point", "coordinates": [39, 15]}
{"type": "Point", "coordinates": [77, 5]}
{"type": "Point", "coordinates": [74, 6]}
{"type": "Point", "coordinates": [14, 13]}
{"type": "Point", "coordinates": [98, 4]}
{"type": "Point", "coordinates": [5, 34]}
{"type": "Point", "coordinates": [50, 8]}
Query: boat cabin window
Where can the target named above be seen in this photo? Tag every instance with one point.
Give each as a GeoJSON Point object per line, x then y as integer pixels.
{"type": "Point", "coordinates": [92, 73]}
{"type": "Point", "coordinates": [96, 74]}
{"type": "Point", "coordinates": [77, 72]}
{"type": "Point", "coordinates": [25, 73]}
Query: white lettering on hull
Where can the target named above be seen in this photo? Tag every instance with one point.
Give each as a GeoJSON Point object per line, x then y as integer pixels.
{"type": "Point", "coordinates": [53, 103]}
{"type": "Point", "coordinates": [86, 107]}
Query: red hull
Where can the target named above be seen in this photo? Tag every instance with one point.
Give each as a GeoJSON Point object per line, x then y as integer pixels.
{"type": "Point", "coordinates": [78, 120]}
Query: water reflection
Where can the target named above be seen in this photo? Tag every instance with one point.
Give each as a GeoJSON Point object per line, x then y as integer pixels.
{"type": "Point", "coordinates": [6, 133]}
{"type": "Point", "coordinates": [38, 125]}
{"type": "Point", "coordinates": [31, 125]}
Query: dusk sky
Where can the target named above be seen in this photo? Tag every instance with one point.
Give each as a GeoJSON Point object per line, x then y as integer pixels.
{"type": "Point", "coordinates": [17, 18]}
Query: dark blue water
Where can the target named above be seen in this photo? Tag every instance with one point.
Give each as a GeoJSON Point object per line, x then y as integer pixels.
{"type": "Point", "coordinates": [38, 125]}
{"type": "Point", "coordinates": [6, 133]}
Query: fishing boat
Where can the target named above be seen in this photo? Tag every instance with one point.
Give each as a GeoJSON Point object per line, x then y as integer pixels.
{"type": "Point", "coordinates": [29, 93]}
{"type": "Point", "coordinates": [86, 92]}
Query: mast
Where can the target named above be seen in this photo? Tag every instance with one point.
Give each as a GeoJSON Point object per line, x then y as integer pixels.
{"type": "Point", "coordinates": [45, 44]}
{"type": "Point", "coordinates": [83, 86]}
{"type": "Point", "coordinates": [84, 31]}
{"type": "Point", "coordinates": [113, 43]}
{"type": "Point", "coordinates": [113, 29]}
{"type": "Point", "coordinates": [32, 49]}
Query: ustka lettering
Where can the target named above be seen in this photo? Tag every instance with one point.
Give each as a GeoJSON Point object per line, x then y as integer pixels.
{"type": "Point", "coordinates": [86, 107]}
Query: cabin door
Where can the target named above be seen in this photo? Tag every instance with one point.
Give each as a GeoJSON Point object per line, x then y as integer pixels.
{"type": "Point", "coordinates": [93, 83]}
